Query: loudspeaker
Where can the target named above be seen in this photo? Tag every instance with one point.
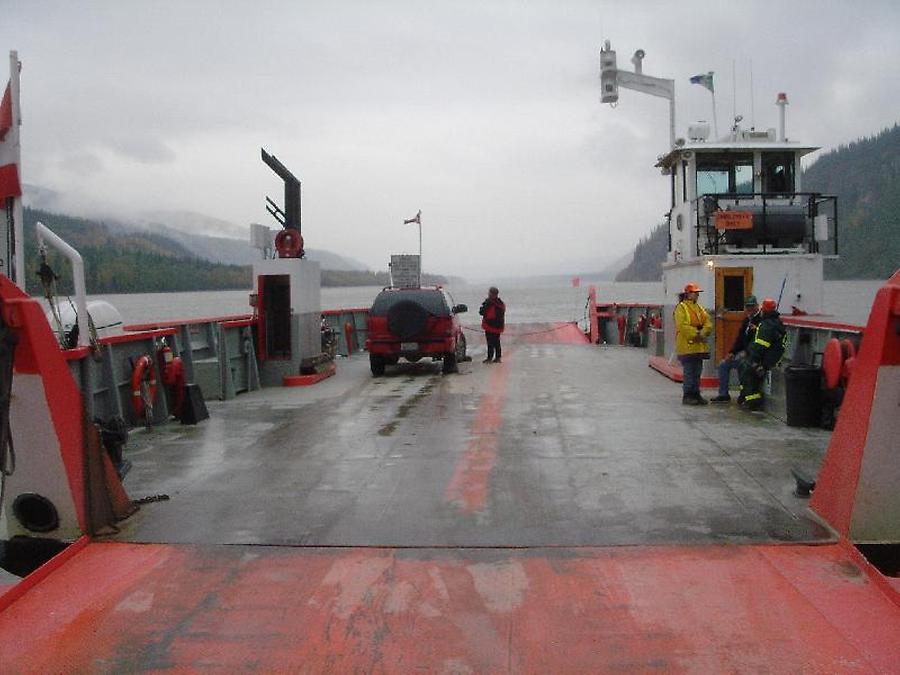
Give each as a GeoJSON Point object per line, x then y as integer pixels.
{"type": "Point", "coordinates": [194, 408]}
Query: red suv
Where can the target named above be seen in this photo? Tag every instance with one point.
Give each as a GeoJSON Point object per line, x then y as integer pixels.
{"type": "Point", "coordinates": [412, 323]}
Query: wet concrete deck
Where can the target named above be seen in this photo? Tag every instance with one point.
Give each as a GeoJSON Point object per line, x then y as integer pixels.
{"type": "Point", "coordinates": [560, 445]}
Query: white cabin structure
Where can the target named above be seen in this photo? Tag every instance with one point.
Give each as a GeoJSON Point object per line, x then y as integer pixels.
{"type": "Point", "coordinates": [739, 222]}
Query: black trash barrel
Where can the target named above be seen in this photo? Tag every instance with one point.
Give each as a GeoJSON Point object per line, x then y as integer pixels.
{"type": "Point", "coordinates": [803, 395]}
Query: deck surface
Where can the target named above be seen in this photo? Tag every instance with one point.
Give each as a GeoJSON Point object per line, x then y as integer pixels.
{"type": "Point", "coordinates": [559, 512]}
{"type": "Point", "coordinates": [559, 445]}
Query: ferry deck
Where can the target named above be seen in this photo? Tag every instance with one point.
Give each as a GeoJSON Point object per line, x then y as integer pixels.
{"type": "Point", "coordinates": [558, 512]}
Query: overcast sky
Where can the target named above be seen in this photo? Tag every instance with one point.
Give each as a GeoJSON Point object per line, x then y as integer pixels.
{"type": "Point", "coordinates": [484, 115]}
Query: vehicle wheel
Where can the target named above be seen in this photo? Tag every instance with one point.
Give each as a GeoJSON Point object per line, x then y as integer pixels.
{"type": "Point", "coordinates": [376, 363]}
{"type": "Point", "coordinates": [449, 365]}
{"type": "Point", "coordinates": [407, 320]}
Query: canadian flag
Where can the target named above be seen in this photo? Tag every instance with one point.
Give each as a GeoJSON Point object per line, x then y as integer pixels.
{"type": "Point", "coordinates": [9, 170]}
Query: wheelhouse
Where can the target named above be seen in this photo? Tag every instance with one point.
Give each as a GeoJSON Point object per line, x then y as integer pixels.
{"type": "Point", "coordinates": [743, 195]}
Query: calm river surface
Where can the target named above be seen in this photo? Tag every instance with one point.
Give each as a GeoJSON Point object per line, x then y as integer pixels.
{"type": "Point", "coordinates": [846, 301]}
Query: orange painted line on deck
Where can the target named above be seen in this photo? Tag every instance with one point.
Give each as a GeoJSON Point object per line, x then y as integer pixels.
{"type": "Point", "coordinates": [469, 486]}
{"type": "Point", "coordinates": [131, 607]}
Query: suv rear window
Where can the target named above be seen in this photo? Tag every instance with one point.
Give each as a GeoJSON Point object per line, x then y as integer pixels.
{"type": "Point", "coordinates": [432, 302]}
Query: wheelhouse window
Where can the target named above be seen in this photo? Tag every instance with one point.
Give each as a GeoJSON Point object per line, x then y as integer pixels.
{"type": "Point", "coordinates": [724, 173]}
{"type": "Point", "coordinates": [778, 171]}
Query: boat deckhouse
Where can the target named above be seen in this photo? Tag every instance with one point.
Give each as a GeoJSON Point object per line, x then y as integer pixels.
{"type": "Point", "coordinates": [739, 220]}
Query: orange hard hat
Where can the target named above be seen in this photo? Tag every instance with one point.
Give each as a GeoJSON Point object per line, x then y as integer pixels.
{"type": "Point", "coordinates": [769, 305]}
{"type": "Point", "coordinates": [692, 288]}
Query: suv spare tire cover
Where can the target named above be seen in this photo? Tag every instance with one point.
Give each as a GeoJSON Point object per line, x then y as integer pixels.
{"type": "Point", "coordinates": [407, 319]}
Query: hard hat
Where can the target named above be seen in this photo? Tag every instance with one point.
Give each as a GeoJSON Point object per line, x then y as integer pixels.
{"type": "Point", "coordinates": [692, 288]}
{"type": "Point", "coordinates": [750, 300]}
{"type": "Point", "coordinates": [769, 305]}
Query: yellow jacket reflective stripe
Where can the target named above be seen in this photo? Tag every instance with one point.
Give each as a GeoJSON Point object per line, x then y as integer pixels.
{"type": "Point", "coordinates": [762, 342]}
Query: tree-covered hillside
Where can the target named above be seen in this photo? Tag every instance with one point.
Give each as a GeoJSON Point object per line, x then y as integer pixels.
{"type": "Point", "coordinates": [865, 176]}
{"type": "Point", "coordinates": [649, 254]}
{"type": "Point", "coordinates": [133, 262]}
{"type": "Point", "coordinates": [140, 261]}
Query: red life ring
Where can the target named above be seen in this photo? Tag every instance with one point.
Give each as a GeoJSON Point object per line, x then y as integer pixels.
{"type": "Point", "coordinates": [847, 370]}
{"type": "Point", "coordinates": [848, 349]}
{"type": "Point", "coordinates": [289, 243]}
{"type": "Point", "coordinates": [143, 372]}
{"type": "Point", "coordinates": [832, 359]}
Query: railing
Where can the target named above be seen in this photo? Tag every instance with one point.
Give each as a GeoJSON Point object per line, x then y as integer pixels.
{"type": "Point", "coordinates": [804, 222]}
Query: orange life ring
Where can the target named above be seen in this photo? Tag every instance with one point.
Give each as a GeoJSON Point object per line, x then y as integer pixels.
{"type": "Point", "coordinates": [143, 372]}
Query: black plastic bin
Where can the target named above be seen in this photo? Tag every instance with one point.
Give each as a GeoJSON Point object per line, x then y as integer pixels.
{"type": "Point", "coordinates": [803, 395]}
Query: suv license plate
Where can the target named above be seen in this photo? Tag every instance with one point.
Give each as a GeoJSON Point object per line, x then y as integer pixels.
{"type": "Point", "coordinates": [409, 346]}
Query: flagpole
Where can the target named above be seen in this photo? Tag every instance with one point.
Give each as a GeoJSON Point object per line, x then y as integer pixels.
{"type": "Point", "coordinates": [419, 220]}
{"type": "Point", "coordinates": [18, 215]}
{"type": "Point", "coordinates": [715, 121]}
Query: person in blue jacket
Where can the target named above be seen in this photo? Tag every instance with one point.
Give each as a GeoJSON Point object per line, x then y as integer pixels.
{"type": "Point", "coordinates": [735, 356]}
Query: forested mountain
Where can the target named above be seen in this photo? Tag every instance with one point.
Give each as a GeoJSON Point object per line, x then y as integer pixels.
{"type": "Point", "coordinates": [124, 262]}
{"type": "Point", "coordinates": [649, 254]}
{"type": "Point", "coordinates": [865, 176]}
{"type": "Point", "coordinates": [142, 261]}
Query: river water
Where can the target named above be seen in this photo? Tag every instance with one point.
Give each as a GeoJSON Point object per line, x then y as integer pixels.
{"type": "Point", "coordinates": [846, 301]}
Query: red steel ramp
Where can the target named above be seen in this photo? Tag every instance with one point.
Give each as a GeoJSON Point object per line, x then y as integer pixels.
{"type": "Point", "coordinates": [147, 607]}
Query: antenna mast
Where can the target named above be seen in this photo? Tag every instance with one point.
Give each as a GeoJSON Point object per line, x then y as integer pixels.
{"type": "Point", "coordinates": [611, 78]}
{"type": "Point", "coordinates": [752, 101]}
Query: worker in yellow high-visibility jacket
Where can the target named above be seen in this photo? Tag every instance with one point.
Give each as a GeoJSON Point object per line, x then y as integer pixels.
{"type": "Point", "coordinates": [692, 327]}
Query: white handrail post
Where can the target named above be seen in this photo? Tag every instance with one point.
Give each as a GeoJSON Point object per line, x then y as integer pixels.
{"type": "Point", "coordinates": [17, 273]}
{"type": "Point", "coordinates": [44, 232]}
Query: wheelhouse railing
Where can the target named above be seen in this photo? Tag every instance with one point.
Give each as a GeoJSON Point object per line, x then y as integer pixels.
{"type": "Point", "coordinates": [767, 223]}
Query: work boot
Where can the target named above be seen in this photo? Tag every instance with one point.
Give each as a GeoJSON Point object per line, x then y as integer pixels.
{"type": "Point", "coordinates": [497, 360]}
{"type": "Point", "coordinates": [754, 406]}
{"type": "Point", "coordinates": [689, 399]}
{"type": "Point", "coordinates": [700, 399]}
{"type": "Point", "coordinates": [487, 361]}
{"type": "Point", "coordinates": [721, 398]}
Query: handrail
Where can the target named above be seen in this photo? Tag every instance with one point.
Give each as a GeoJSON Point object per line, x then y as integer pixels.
{"type": "Point", "coordinates": [44, 232]}
{"type": "Point", "coordinates": [706, 204]}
